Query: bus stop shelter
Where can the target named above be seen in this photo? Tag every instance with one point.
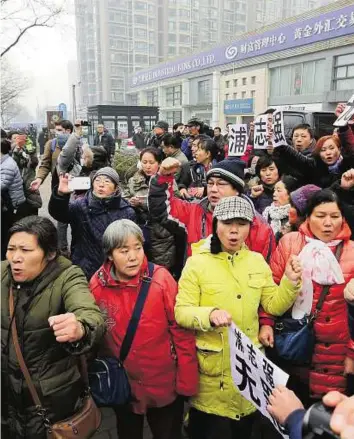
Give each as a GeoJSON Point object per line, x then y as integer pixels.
{"type": "Point", "coordinates": [121, 120]}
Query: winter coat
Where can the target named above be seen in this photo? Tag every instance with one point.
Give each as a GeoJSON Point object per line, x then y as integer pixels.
{"type": "Point", "coordinates": [312, 169]}
{"type": "Point", "coordinates": [27, 161]}
{"type": "Point", "coordinates": [162, 361]}
{"type": "Point", "coordinates": [49, 162]}
{"type": "Point", "coordinates": [196, 219]}
{"type": "Point", "coordinates": [11, 181]}
{"type": "Point", "coordinates": [160, 243]}
{"type": "Point", "coordinates": [238, 284]}
{"type": "Point", "coordinates": [53, 366]}
{"type": "Point", "coordinates": [193, 175]}
{"type": "Point", "coordinates": [138, 139]}
{"type": "Point", "coordinates": [265, 199]}
{"type": "Point", "coordinates": [333, 342]}
{"type": "Point", "coordinates": [107, 141]}
{"type": "Point", "coordinates": [287, 166]}
{"type": "Point", "coordinates": [89, 217]}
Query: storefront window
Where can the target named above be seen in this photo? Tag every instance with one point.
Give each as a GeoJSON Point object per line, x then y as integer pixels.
{"type": "Point", "coordinates": [297, 79]}
{"type": "Point", "coordinates": [344, 72]}
{"type": "Point", "coordinates": [174, 95]}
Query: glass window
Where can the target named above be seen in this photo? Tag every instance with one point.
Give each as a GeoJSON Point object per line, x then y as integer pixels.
{"type": "Point", "coordinates": [285, 81]}
{"type": "Point", "coordinates": [140, 19]}
{"type": "Point", "coordinates": [243, 95]}
{"type": "Point", "coordinates": [253, 80]}
{"type": "Point", "coordinates": [227, 97]}
{"type": "Point", "coordinates": [253, 93]}
{"type": "Point", "coordinates": [344, 60]}
{"type": "Point", "coordinates": [171, 25]}
{"type": "Point", "coordinates": [184, 39]}
{"type": "Point", "coordinates": [140, 5]}
{"type": "Point", "coordinates": [173, 117]}
{"type": "Point", "coordinates": [227, 84]}
{"type": "Point", "coordinates": [344, 72]}
{"type": "Point", "coordinates": [204, 95]}
{"type": "Point", "coordinates": [244, 81]}
{"type": "Point", "coordinates": [152, 98]}
{"type": "Point", "coordinates": [184, 26]}
{"type": "Point", "coordinates": [234, 96]}
{"type": "Point", "coordinates": [174, 95]}
{"type": "Point", "coordinates": [235, 82]}
{"type": "Point", "coordinates": [171, 38]}
{"type": "Point", "coordinates": [117, 83]}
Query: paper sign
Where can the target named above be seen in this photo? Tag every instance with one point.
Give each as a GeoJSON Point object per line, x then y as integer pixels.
{"type": "Point", "coordinates": [278, 129]}
{"type": "Point", "coordinates": [238, 140]}
{"type": "Point", "coordinates": [261, 132]}
{"type": "Point", "coordinates": [254, 374]}
{"type": "Point", "coordinates": [347, 114]}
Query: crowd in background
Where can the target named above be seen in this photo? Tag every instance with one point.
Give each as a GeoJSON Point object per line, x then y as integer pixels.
{"type": "Point", "coordinates": [250, 239]}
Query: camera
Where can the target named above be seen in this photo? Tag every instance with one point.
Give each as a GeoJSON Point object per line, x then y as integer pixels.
{"type": "Point", "coordinates": [316, 423]}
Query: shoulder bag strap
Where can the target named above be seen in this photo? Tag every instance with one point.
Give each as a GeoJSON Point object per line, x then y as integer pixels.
{"type": "Point", "coordinates": [326, 288]}
{"type": "Point", "coordinates": [19, 355]}
{"type": "Point", "coordinates": [21, 360]}
{"type": "Point", "coordinates": [138, 309]}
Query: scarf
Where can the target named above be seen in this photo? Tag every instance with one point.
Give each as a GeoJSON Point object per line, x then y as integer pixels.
{"type": "Point", "coordinates": [276, 214]}
{"type": "Point", "coordinates": [334, 169]}
{"type": "Point", "coordinates": [319, 264]}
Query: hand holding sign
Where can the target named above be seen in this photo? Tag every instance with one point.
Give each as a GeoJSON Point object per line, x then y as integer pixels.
{"type": "Point", "coordinates": [345, 114]}
{"type": "Point", "coordinates": [261, 132]}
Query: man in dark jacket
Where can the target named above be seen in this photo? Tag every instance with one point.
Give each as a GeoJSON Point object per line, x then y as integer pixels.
{"type": "Point", "coordinates": [90, 216]}
{"type": "Point", "coordinates": [138, 138]}
{"type": "Point", "coordinates": [105, 139]}
{"type": "Point", "coordinates": [159, 132]}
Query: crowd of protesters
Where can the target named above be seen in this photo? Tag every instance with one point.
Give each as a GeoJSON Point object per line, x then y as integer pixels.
{"type": "Point", "coordinates": [220, 239]}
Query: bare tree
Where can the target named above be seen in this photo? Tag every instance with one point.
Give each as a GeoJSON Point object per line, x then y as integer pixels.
{"type": "Point", "coordinates": [13, 85]}
{"type": "Point", "coordinates": [18, 17]}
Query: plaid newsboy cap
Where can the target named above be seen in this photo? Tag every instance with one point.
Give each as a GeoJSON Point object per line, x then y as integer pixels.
{"type": "Point", "coordinates": [232, 208]}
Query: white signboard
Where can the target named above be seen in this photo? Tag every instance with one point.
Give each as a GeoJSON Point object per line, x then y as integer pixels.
{"type": "Point", "coordinates": [261, 132]}
{"type": "Point", "coordinates": [278, 137]}
{"type": "Point", "coordinates": [253, 374]}
{"type": "Point", "coordinates": [347, 114]}
{"type": "Point", "coordinates": [238, 140]}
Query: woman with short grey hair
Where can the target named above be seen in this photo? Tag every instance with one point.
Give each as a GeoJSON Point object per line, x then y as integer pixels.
{"type": "Point", "coordinates": [161, 364]}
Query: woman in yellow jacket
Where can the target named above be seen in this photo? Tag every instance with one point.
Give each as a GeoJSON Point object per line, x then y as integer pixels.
{"type": "Point", "coordinates": [223, 281]}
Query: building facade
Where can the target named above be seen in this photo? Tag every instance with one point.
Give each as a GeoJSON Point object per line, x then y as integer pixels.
{"type": "Point", "coordinates": [117, 38]}
{"type": "Point", "coordinates": [306, 62]}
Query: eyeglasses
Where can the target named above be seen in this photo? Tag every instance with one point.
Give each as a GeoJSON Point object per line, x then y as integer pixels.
{"type": "Point", "coordinates": [218, 184]}
{"type": "Point", "coordinates": [105, 181]}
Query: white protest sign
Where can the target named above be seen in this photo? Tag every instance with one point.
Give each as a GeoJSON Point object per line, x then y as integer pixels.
{"type": "Point", "coordinates": [253, 374]}
{"type": "Point", "coordinates": [347, 114]}
{"type": "Point", "coordinates": [261, 132]}
{"type": "Point", "coordinates": [278, 129]}
{"type": "Point", "coordinates": [238, 140]}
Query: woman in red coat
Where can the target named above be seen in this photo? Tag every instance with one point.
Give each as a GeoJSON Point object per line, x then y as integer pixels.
{"type": "Point", "coordinates": [161, 363]}
{"type": "Point", "coordinates": [316, 243]}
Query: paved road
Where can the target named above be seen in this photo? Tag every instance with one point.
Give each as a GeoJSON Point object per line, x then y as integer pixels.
{"type": "Point", "coordinates": [108, 425]}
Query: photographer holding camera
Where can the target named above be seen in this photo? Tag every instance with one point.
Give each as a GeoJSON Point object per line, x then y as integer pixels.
{"type": "Point", "coordinates": [318, 421]}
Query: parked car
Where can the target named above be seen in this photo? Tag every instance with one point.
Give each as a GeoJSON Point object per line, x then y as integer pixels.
{"type": "Point", "coordinates": [320, 121]}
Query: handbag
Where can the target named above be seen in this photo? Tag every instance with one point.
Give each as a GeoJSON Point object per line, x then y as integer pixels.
{"type": "Point", "coordinates": [84, 423]}
{"type": "Point", "coordinates": [109, 381]}
{"type": "Point", "coordinates": [294, 339]}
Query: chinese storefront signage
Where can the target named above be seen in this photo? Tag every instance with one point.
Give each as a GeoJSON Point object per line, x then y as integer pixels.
{"type": "Point", "coordinates": [322, 27]}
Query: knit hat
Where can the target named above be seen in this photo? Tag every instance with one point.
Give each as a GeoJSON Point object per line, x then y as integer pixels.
{"type": "Point", "coordinates": [232, 208]}
{"type": "Point", "coordinates": [108, 172]}
{"type": "Point", "coordinates": [162, 124]}
{"type": "Point", "coordinates": [301, 196]}
{"type": "Point", "coordinates": [230, 170]}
